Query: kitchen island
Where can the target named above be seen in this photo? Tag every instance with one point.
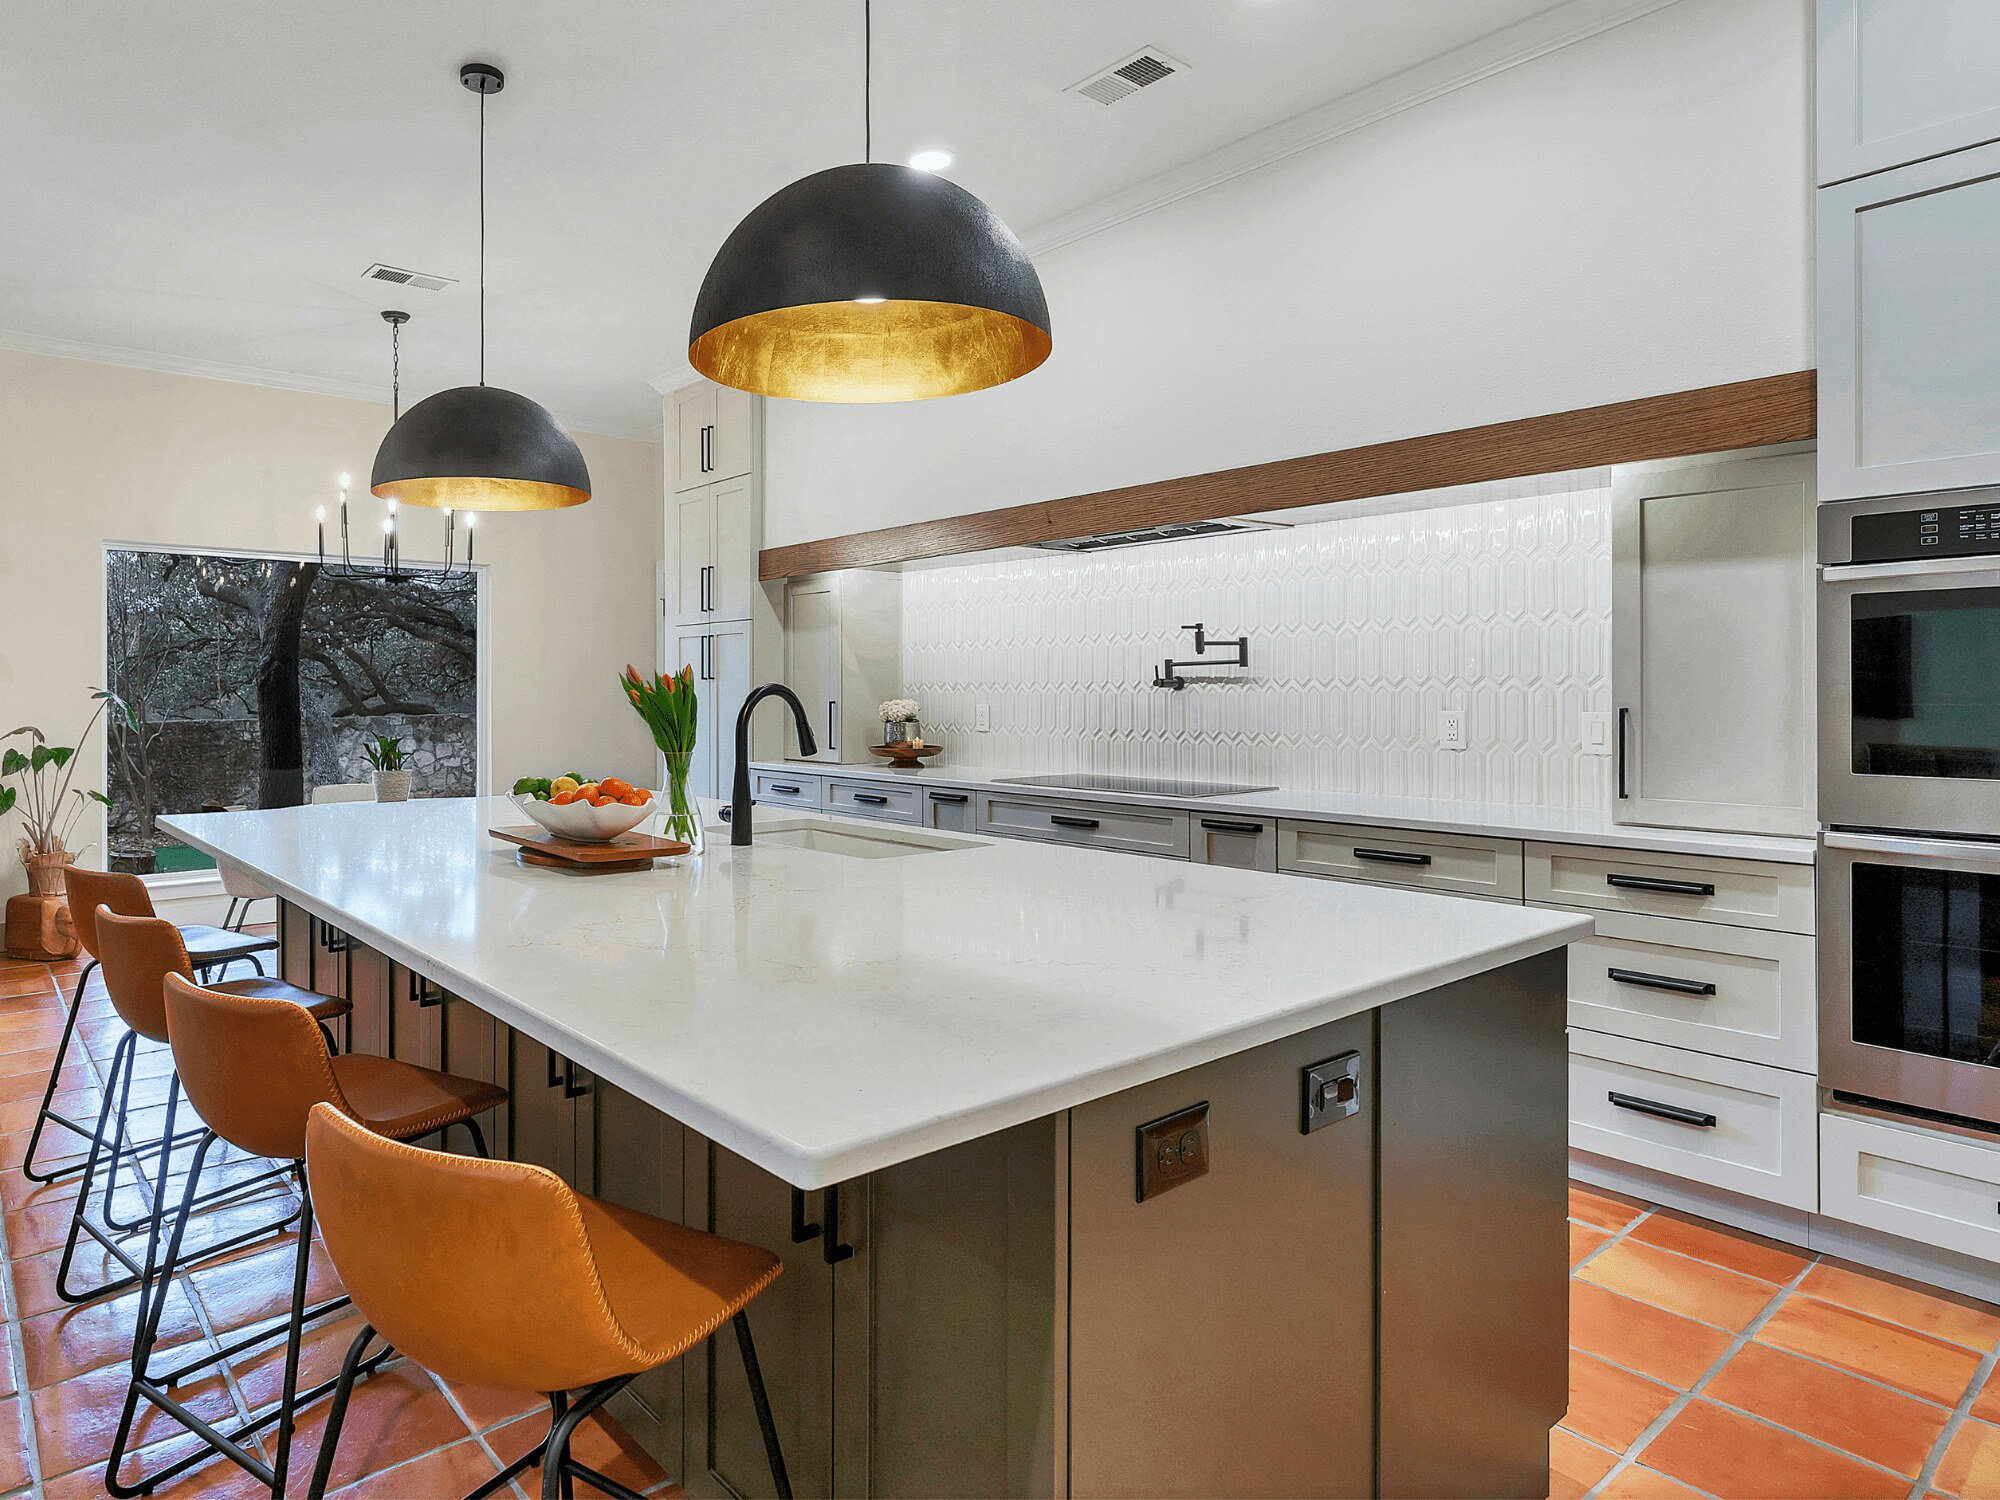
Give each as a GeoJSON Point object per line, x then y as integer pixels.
{"type": "Point", "coordinates": [938, 1080]}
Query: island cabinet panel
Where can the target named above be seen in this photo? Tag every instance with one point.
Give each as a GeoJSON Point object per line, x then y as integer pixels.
{"type": "Point", "coordinates": [1221, 1333]}
{"type": "Point", "coordinates": [545, 1124]}
{"type": "Point", "coordinates": [792, 1321]}
{"type": "Point", "coordinates": [367, 983]}
{"type": "Point", "coordinates": [1474, 1250]}
{"type": "Point", "coordinates": [416, 1018]}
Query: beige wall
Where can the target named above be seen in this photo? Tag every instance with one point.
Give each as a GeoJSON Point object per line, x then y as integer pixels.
{"type": "Point", "coordinates": [93, 453]}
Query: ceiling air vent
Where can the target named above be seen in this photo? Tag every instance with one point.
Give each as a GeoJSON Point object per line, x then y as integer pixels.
{"type": "Point", "coordinates": [397, 276]}
{"type": "Point", "coordinates": [1109, 85]}
{"type": "Point", "coordinates": [1178, 531]}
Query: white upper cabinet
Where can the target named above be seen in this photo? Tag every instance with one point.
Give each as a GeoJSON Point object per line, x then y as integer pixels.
{"type": "Point", "coordinates": [1903, 80]}
{"type": "Point", "coordinates": [720, 656]}
{"type": "Point", "coordinates": [715, 532]}
{"type": "Point", "coordinates": [714, 434]}
{"type": "Point", "coordinates": [1909, 307]}
{"type": "Point", "coordinates": [1713, 645]}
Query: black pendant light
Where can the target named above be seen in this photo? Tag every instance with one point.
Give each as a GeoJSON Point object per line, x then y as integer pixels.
{"type": "Point", "coordinates": [478, 447]}
{"type": "Point", "coordinates": [869, 282]}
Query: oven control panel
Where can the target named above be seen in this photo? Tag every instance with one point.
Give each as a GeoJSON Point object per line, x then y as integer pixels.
{"type": "Point", "coordinates": [1943, 531]}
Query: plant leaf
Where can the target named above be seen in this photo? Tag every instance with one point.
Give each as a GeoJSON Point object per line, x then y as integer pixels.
{"type": "Point", "coordinates": [6, 799]}
{"type": "Point", "coordinates": [38, 758]}
{"type": "Point", "coordinates": [13, 763]}
{"type": "Point", "coordinates": [59, 755]}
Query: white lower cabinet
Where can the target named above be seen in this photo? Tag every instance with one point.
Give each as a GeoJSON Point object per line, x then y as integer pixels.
{"type": "Point", "coordinates": [1245, 843]}
{"type": "Point", "coordinates": [784, 789]}
{"type": "Point", "coordinates": [875, 799]}
{"type": "Point", "coordinates": [947, 809]}
{"type": "Point", "coordinates": [1931, 1186]}
{"type": "Point", "coordinates": [1456, 864]}
{"type": "Point", "coordinates": [1735, 991]}
{"type": "Point", "coordinates": [1714, 1120]}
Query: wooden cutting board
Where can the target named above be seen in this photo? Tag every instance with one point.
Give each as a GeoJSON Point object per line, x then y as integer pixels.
{"type": "Point", "coordinates": [629, 851]}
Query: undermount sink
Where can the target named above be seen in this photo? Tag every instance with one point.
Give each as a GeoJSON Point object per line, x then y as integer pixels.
{"type": "Point", "coordinates": [858, 843]}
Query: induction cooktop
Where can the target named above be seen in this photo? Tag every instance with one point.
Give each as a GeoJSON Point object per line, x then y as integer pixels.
{"type": "Point", "coordinates": [1135, 786]}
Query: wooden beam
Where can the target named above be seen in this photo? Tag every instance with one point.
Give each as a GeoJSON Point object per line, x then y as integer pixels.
{"type": "Point", "coordinates": [1713, 419]}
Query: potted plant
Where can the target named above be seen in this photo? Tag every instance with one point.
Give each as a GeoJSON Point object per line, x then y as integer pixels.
{"type": "Point", "coordinates": [37, 925]}
{"type": "Point", "coordinates": [899, 721]}
{"type": "Point", "coordinates": [671, 710]}
{"type": "Point", "coordinates": [392, 776]}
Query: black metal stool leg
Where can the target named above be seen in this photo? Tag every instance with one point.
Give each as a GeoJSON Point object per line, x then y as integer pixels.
{"type": "Point", "coordinates": [78, 1224]}
{"type": "Point", "coordinates": [288, 1403]}
{"type": "Point", "coordinates": [557, 1466]}
{"type": "Point", "coordinates": [762, 1402]}
{"type": "Point", "coordinates": [47, 1113]}
{"type": "Point", "coordinates": [336, 1416]}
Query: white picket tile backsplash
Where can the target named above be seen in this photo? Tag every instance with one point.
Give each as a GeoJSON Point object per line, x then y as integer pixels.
{"type": "Point", "coordinates": [1360, 630]}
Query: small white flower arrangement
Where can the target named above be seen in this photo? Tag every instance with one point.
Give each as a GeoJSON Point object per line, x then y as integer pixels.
{"type": "Point", "coordinates": [896, 710]}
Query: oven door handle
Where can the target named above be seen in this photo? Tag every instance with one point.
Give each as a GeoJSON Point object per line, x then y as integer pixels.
{"type": "Point", "coordinates": [1917, 567]}
{"type": "Point", "coordinates": [1958, 851]}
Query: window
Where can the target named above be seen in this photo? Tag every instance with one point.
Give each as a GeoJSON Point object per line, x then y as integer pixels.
{"type": "Point", "coordinates": [252, 680]}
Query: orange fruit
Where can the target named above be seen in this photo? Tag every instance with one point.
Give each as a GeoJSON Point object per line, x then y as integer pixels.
{"type": "Point", "coordinates": [563, 799]}
{"type": "Point", "coordinates": [635, 798]}
{"type": "Point", "coordinates": [614, 786]}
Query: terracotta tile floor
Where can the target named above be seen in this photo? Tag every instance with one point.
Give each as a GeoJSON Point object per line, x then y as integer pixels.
{"type": "Point", "coordinates": [1702, 1361]}
{"type": "Point", "coordinates": [63, 1368]}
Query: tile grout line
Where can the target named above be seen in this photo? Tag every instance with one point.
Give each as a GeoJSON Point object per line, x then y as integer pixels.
{"type": "Point", "coordinates": [1685, 1398]}
{"type": "Point", "coordinates": [1958, 1418]}
{"type": "Point", "coordinates": [479, 1433]}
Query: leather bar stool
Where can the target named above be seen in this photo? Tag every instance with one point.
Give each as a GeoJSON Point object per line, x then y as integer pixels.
{"type": "Point", "coordinates": [137, 953]}
{"type": "Point", "coordinates": [543, 1289]}
{"type": "Point", "coordinates": [253, 1067]}
{"type": "Point", "coordinates": [210, 949]}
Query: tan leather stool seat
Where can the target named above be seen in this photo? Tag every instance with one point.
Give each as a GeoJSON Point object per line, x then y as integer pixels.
{"type": "Point", "coordinates": [319, 1007]}
{"type": "Point", "coordinates": [670, 1287]}
{"type": "Point", "coordinates": [402, 1100]}
{"type": "Point", "coordinates": [207, 945]}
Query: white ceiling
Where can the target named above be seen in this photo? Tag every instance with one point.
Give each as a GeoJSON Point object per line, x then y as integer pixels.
{"type": "Point", "coordinates": [200, 183]}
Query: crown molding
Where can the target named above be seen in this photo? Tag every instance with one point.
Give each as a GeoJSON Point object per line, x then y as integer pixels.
{"type": "Point", "coordinates": [680, 375]}
{"type": "Point", "coordinates": [1551, 31]}
{"type": "Point", "coordinates": [210, 369]}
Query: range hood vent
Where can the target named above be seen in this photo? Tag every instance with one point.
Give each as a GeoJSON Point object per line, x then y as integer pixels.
{"type": "Point", "coordinates": [1123, 79]}
{"type": "Point", "coordinates": [1178, 531]}
{"type": "Point", "coordinates": [397, 276]}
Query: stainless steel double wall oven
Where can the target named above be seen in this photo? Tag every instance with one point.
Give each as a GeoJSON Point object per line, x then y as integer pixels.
{"type": "Point", "coordinates": [1909, 865]}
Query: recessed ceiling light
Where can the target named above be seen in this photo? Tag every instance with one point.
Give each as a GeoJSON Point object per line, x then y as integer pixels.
{"type": "Point", "coordinates": [931, 161]}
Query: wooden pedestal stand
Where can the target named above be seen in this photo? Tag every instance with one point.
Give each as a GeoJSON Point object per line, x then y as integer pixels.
{"type": "Point", "coordinates": [38, 927]}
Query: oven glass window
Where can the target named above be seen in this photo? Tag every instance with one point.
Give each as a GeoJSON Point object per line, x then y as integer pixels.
{"type": "Point", "coordinates": [1926, 681]}
{"type": "Point", "coordinates": [1927, 961]}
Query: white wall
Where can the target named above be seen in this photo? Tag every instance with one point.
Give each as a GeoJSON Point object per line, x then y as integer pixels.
{"type": "Point", "coordinates": [93, 453]}
{"type": "Point", "coordinates": [1360, 631]}
{"type": "Point", "coordinates": [1624, 217]}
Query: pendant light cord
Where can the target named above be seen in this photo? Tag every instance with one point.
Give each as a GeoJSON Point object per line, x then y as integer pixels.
{"type": "Point", "coordinates": [395, 372]}
{"type": "Point", "coordinates": [867, 81]}
{"type": "Point", "coordinates": [482, 237]}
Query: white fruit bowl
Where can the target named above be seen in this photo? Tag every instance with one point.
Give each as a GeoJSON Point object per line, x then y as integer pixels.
{"type": "Point", "coordinates": [584, 823]}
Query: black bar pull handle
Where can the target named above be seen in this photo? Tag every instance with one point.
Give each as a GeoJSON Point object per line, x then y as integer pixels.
{"type": "Point", "coordinates": [1063, 820]}
{"type": "Point", "coordinates": [1391, 857]}
{"type": "Point", "coordinates": [428, 996]}
{"type": "Point", "coordinates": [1665, 982]}
{"type": "Point", "coordinates": [873, 799]}
{"type": "Point", "coordinates": [831, 1250]}
{"type": "Point", "coordinates": [571, 1088]}
{"type": "Point", "coordinates": [1661, 887]}
{"type": "Point", "coordinates": [332, 939]}
{"type": "Point", "coordinates": [1623, 715]}
{"type": "Point", "coordinates": [789, 791]}
{"type": "Point", "coordinates": [1229, 825]}
{"type": "Point", "coordinates": [1660, 1111]}
{"type": "Point", "coordinates": [833, 725]}
{"type": "Point", "coordinates": [555, 1077]}
{"type": "Point", "coordinates": [952, 797]}
{"type": "Point", "coordinates": [801, 1230]}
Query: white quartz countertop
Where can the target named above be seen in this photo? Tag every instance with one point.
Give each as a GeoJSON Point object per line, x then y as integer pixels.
{"type": "Point", "coordinates": [1501, 820]}
{"type": "Point", "coordinates": [826, 1016]}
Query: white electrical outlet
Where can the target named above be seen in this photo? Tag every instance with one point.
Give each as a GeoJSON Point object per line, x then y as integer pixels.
{"type": "Point", "coordinates": [1451, 728]}
{"type": "Point", "coordinates": [1596, 733]}
{"type": "Point", "coordinates": [982, 717]}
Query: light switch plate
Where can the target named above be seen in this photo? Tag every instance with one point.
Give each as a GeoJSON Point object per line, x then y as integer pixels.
{"type": "Point", "coordinates": [1171, 1150]}
{"type": "Point", "coordinates": [1596, 733]}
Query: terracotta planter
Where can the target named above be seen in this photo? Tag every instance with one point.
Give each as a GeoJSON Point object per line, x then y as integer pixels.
{"type": "Point", "coordinates": [392, 786]}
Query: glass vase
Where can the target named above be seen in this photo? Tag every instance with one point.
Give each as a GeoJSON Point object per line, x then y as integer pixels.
{"type": "Point", "coordinates": [681, 818]}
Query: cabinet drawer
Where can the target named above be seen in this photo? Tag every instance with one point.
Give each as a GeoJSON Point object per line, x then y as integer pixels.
{"type": "Point", "coordinates": [1931, 1186]}
{"type": "Point", "coordinates": [947, 809]}
{"type": "Point", "coordinates": [1233, 839]}
{"type": "Point", "coordinates": [1738, 892]}
{"type": "Point", "coordinates": [784, 789]}
{"type": "Point", "coordinates": [1393, 856]}
{"type": "Point", "coordinates": [875, 799]}
{"type": "Point", "coordinates": [1735, 991]}
{"type": "Point", "coordinates": [1141, 830]}
{"type": "Point", "coordinates": [1713, 1120]}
